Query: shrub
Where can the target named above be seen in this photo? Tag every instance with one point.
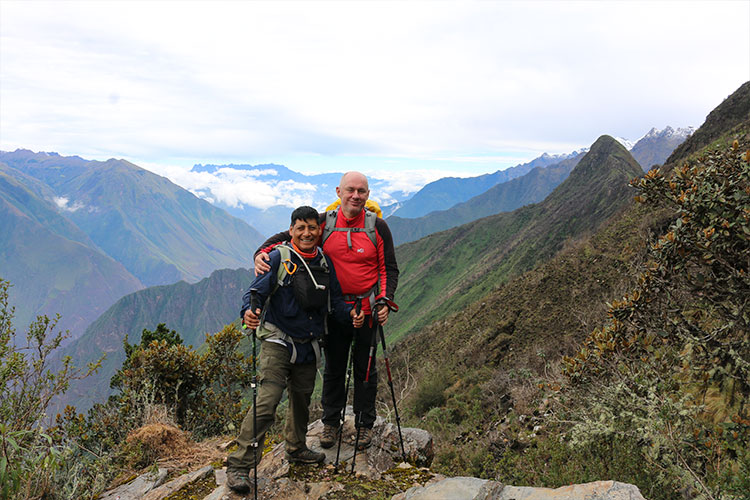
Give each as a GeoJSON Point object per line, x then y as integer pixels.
{"type": "Point", "coordinates": [671, 369]}
{"type": "Point", "coordinates": [29, 456]}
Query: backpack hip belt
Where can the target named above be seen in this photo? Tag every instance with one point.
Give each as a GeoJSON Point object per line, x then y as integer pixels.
{"type": "Point", "coordinates": [269, 331]}
{"type": "Point", "coordinates": [369, 295]}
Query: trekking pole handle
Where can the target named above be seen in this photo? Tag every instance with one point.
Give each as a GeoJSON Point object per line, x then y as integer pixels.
{"type": "Point", "coordinates": [386, 302]}
{"type": "Point", "coordinates": [254, 305]}
{"type": "Point", "coordinates": [254, 301]}
{"type": "Point", "coordinates": [391, 305]}
{"type": "Point", "coordinates": [358, 306]}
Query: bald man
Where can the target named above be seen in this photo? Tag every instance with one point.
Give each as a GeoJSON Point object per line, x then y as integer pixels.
{"type": "Point", "coordinates": [361, 248]}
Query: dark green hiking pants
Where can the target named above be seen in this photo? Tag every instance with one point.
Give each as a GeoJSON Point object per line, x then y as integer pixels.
{"type": "Point", "coordinates": [276, 374]}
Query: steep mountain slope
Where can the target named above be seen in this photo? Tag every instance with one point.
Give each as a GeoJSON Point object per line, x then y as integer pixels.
{"type": "Point", "coordinates": [191, 309]}
{"type": "Point", "coordinates": [35, 200]}
{"type": "Point", "coordinates": [160, 232]}
{"type": "Point", "coordinates": [656, 146]}
{"type": "Point", "coordinates": [53, 265]}
{"type": "Point", "coordinates": [531, 187]}
{"type": "Point", "coordinates": [445, 271]}
{"type": "Point", "coordinates": [502, 345]}
{"type": "Point", "coordinates": [734, 111]}
{"type": "Point", "coordinates": [448, 191]}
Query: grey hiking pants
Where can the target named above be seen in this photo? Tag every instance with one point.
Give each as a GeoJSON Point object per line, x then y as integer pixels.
{"type": "Point", "coordinates": [276, 374]}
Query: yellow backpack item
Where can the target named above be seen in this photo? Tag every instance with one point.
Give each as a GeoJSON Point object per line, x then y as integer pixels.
{"type": "Point", "coordinates": [370, 205]}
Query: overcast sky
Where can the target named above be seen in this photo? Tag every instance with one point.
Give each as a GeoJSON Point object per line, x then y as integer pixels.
{"type": "Point", "coordinates": [428, 88]}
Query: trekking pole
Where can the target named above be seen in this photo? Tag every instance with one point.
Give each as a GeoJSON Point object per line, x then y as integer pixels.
{"type": "Point", "coordinates": [350, 354]}
{"type": "Point", "coordinates": [393, 307]}
{"type": "Point", "coordinates": [254, 306]}
{"type": "Point", "coordinates": [373, 348]}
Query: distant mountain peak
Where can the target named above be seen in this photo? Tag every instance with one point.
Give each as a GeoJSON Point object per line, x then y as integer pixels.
{"type": "Point", "coordinates": [605, 142]}
{"type": "Point", "coordinates": [626, 143]}
{"type": "Point", "coordinates": [562, 156]}
{"type": "Point", "coordinates": [669, 132]}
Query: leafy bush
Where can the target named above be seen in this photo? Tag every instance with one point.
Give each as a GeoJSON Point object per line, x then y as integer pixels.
{"type": "Point", "coordinates": [671, 369]}
{"type": "Point", "coordinates": [226, 374]}
{"type": "Point", "coordinates": [160, 370]}
{"type": "Point", "coordinates": [29, 456]}
{"type": "Point", "coordinates": [201, 392]}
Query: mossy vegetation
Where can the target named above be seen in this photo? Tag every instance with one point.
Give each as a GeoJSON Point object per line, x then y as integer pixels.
{"type": "Point", "coordinates": [357, 486]}
{"type": "Point", "coordinates": [197, 490]}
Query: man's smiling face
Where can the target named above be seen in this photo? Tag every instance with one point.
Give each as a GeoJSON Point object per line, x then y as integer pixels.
{"type": "Point", "coordinates": [305, 234]}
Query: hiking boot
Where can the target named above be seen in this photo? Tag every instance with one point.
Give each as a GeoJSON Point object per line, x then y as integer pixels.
{"type": "Point", "coordinates": [305, 456]}
{"type": "Point", "coordinates": [365, 438]}
{"type": "Point", "coordinates": [238, 479]}
{"type": "Point", "coordinates": [329, 436]}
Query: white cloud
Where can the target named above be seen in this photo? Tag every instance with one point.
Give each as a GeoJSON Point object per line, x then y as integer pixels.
{"type": "Point", "coordinates": [220, 81]}
{"type": "Point", "coordinates": [62, 204]}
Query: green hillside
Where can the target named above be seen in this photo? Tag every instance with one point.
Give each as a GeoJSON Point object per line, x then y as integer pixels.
{"type": "Point", "coordinates": [160, 232]}
{"type": "Point", "coordinates": [193, 310]}
{"type": "Point", "coordinates": [444, 272]}
{"type": "Point", "coordinates": [53, 265]}
{"type": "Point", "coordinates": [734, 111]}
{"type": "Point", "coordinates": [531, 187]}
{"type": "Point", "coordinates": [487, 379]}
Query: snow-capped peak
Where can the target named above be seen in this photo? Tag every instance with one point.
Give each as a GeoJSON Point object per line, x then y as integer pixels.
{"type": "Point", "coordinates": [563, 156]}
{"type": "Point", "coordinates": [668, 132]}
{"type": "Point", "coordinates": [626, 143]}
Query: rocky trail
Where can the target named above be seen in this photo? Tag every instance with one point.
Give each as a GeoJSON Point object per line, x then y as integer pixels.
{"type": "Point", "coordinates": [379, 473]}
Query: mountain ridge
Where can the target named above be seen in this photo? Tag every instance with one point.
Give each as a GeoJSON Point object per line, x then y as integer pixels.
{"type": "Point", "coordinates": [531, 187]}
{"type": "Point", "coordinates": [507, 244]}
{"type": "Point", "coordinates": [441, 194]}
{"type": "Point", "coordinates": [161, 232]}
{"type": "Point", "coordinates": [510, 342]}
{"type": "Point", "coordinates": [192, 309]}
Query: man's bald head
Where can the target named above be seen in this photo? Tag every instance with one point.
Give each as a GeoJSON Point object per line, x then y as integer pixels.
{"type": "Point", "coordinates": [353, 176]}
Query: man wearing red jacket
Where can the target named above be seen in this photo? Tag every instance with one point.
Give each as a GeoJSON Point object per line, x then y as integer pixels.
{"type": "Point", "coordinates": [365, 262]}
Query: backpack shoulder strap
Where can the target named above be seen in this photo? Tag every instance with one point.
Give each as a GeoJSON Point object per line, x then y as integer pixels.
{"type": "Point", "coordinates": [285, 253]}
{"type": "Point", "coordinates": [370, 218]}
{"type": "Point", "coordinates": [330, 224]}
{"type": "Point", "coordinates": [281, 274]}
{"type": "Point", "coordinates": [369, 229]}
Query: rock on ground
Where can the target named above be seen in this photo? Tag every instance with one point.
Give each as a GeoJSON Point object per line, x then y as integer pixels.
{"type": "Point", "coordinates": [385, 454]}
{"type": "Point", "coordinates": [470, 488]}
{"type": "Point", "coordinates": [138, 487]}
